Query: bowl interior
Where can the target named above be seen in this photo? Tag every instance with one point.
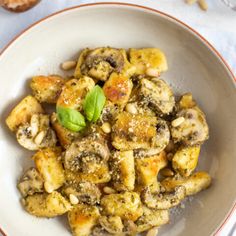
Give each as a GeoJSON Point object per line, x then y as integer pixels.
{"type": "Point", "coordinates": [193, 67]}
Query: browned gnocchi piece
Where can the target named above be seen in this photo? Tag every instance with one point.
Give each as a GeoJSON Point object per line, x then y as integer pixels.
{"type": "Point", "coordinates": [74, 92]}
{"type": "Point", "coordinates": [126, 205]}
{"type": "Point", "coordinates": [46, 205]}
{"type": "Point", "coordinates": [193, 184]}
{"type": "Point", "coordinates": [185, 160]}
{"type": "Point", "coordinates": [133, 131]}
{"type": "Point", "coordinates": [49, 165]}
{"type": "Point", "coordinates": [147, 169]}
{"type": "Point", "coordinates": [117, 89]}
{"type": "Point", "coordinates": [23, 111]}
{"type": "Point", "coordinates": [47, 88]}
{"type": "Point", "coordinates": [82, 219]}
{"type": "Point", "coordinates": [145, 58]}
{"type": "Point", "coordinates": [123, 170]}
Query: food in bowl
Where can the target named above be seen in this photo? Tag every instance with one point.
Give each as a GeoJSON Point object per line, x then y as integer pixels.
{"type": "Point", "coordinates": [119, 151]}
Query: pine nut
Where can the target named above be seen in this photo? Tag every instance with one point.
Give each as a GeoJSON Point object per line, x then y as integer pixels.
{"type": "Point", "coordinates": [170, 156]}
{"type": "Point", "coordinates": [178, 121]}
{"type": "Point", "coordinates": [191, 1]}
{"type": "Point", "coordinates": [203, 5]}
{"type": "Point", "coordinates": [39, 138]}
{"type": "Point", "coordinates": [73, 199]}
{"type": "Point", "coordinates": [166, 172]}
{"type": "Point", "coordinates": [48, 188]}
{"type": "Point", "coordinates": [23, 202]}
{"type": "Point", "coordinates": [170, 147]}
{"type": "Point", "coordinates": [34, 124]}
{"type": "Point", "coordinates": [68, 65]}
{"type": "Point", "coordinates": [152, 72]}
{"type": "Point", "coordinates": [152, 232]}
{"type": "Point", "coordinates": [106, 128]}
{"type": "Point", "coordinates": [108, 190]}
{"type": "Point", "coordinates": [131, 108]}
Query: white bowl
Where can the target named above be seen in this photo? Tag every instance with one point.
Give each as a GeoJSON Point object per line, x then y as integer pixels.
{"type": "Point", "coordinates": [194, 66]}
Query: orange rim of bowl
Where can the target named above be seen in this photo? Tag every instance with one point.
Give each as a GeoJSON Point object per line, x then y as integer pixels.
{"type": "Point", "coordinates": [207, 43]}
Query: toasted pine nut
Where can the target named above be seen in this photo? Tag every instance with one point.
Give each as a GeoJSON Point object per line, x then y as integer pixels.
{"type": "Point", "coordinates": [166, 172]}
{"type": "Point", "coordinates": [203, 5]}
{"type": "Point", "coordinates": [48, 188]}
{"type": "Point", "coordinates": [170, 147]}
{"type": "Point", "coordinates": [108, 190]}
{"type": "Point", "coordinates": [106, 128]}
{"type": "Point", "coordinates": [34, 124]}
{"type": "Point", "coordinates": [73, 199]}
{"type": "Point", "coordinates": [152, 72]}
{"type": "Point", "coordinates": [131, 108]}
{"type": "Point", "coordinates": [190, 1]}
{"type": "Point", "coordinates": [68, 65]}
{"type": "Point", "coordinates": [170, 156]}
{"type": "Point", "coordinates": [178, 121]}
{"type": "Point", "coordinates": [39, 138]}
{"type": "Point", "coordinates": [23, 202]}
{"type": "Point", "coordinates": [152, 232]}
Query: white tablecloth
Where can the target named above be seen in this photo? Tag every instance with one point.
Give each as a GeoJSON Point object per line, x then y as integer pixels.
{"type": "Point", "coordinates": [218, 25]}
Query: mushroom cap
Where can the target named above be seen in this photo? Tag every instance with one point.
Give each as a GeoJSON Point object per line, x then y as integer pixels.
{"type": "Point", "coordinates": [99, 63]}
{"type": "Point", "coordinates": [193, 130]}
{"type": "Point", "coordinates": [86, 154]}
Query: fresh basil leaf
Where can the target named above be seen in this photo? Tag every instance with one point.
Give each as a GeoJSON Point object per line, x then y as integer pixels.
{"type": "Point", "coordinates": [94, 103]}
{"type": "Point", "coordinates": [71, 119]}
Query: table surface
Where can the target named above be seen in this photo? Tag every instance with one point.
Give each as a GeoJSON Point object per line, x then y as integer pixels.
{"type": "Point", "coordinates": [217, 25]}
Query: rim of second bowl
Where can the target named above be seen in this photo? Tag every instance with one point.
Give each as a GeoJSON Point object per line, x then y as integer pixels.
{"type": "Point", "coordinates": [163, 14]}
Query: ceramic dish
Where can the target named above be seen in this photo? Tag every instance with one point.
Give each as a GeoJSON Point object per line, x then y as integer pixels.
{"type": "Point", "coordinates": [194, 66]}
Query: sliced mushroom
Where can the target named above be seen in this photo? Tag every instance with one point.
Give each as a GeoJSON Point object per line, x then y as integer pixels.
{"type": "Point", "coordinates": [162, 201]}
{"type": "Point", "coordinates": [30, 183]}
{"type": "Point", "coordinates": [99, 63]}
{"type": "Point", "coordinates": [86, 154]}
{"type": "Point", "coordinates": [158, 94]}
{"type": "Point", "coordinates": [100, 175]}
{"type": "Point", "coordinates": [130, 228]}
{"type": "Point", "coordinates": [110, 112]}
{"type": "Point", "coordinates": [193, 130]}
{"type": "Point", "coordinates": [85, 192]}
{"type": "Point", "coordinates": [112, 224]}
{"type": "Point", "coordinates": [100, 231]}
{"type": "Point", "coordinates": [36, 134]}
{"type": "Point", "coordinates": [151, 218]}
